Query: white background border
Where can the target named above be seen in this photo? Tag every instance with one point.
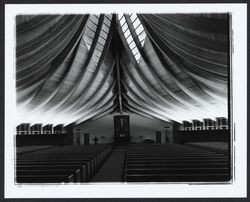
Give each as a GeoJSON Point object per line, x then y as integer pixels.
{"type": "Point", "coordinates": [239, 62]}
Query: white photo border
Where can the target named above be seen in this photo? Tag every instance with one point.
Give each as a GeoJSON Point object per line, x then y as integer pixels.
{"type": "Point", "coordinates": [238, 187]}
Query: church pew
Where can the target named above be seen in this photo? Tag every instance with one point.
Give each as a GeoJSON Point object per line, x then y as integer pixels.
{"type": "Point", "coordinates": [162, 153]}
{"type": "Point", "coordinates": [95, 161]}
{"type": "Point", "coordinates": [45, 178]}
{"type": "Point", "coordinates": [174, 154]}
{"type": "Point", "coordinates": [69, 152]}
{"type": "Point", "coordinates": [178, 165]}
{"type": "Point", "coordinates": [87, 166]}
{"type": "Point", "coordinates": [98, 158]}
{"type": "Point", "coordinates": [67, 175]}
{"type": "Point", "coordinates": [84, 163]}
{"type": "Point", "coordinates": [81, 174]}
{"type": "Point", "coordinates": [81, 168]}
{"type": "Point", "coordinates": [172, 163]}
{"type": "Point", "coordinates": [218, 147]}
{"type": "Point", "coordinates": [30, 149]}
{"type": "Point", "coordinates": [177, 158]}
{"type": "Point", "coordinates": [150, 161]}
{"type": "Point", "coordinates": [185, 170]}
{"type": "Point", "coordinates": [177, 177]}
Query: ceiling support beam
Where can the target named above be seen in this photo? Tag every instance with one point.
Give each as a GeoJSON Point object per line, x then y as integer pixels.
{"type": "Point", "coordinates": [117, 63]}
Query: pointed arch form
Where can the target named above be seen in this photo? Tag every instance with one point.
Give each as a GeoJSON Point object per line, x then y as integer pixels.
{"type": "Point", "coordinates": [83, 67]}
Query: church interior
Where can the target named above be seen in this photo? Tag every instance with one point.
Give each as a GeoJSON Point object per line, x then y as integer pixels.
{"type": "Point", "coordinates": [123, 98]}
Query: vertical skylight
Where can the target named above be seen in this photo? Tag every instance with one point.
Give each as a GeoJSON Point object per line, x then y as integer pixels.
{"type": "Point", "coordinates": [139, 31]}
{"type": "Point", "coordinates": [90, 30]}
{"type": "Point", "coordinates": [90, 33]}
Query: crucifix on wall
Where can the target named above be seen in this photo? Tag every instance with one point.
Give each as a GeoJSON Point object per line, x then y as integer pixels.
{"type": "Point", "coordinates": [95, 139]}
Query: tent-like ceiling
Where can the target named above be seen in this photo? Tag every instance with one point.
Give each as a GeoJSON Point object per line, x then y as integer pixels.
{"type": "Point", "coordinates": [73, 68]}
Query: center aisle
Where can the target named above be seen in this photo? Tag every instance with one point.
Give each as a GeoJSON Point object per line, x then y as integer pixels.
{"type": "Point", "coordinates": [112, 169]}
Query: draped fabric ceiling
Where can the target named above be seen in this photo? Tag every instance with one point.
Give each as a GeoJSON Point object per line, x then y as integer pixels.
{"type": "Point", "coordinates": [171, 66]}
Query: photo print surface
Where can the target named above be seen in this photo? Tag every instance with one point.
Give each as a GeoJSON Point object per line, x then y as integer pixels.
{"type": "Point", "coordinates": [75, 71]}
{"type": "Point", "coordinates": [128, 102]}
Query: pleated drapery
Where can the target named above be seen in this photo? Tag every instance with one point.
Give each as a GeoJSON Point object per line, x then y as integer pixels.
{"type": "Point", "coordinates": [173, 66]}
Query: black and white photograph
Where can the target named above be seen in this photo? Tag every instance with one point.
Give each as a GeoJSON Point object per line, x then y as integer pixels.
{"type": "Point", "coordinates": [123, 97]}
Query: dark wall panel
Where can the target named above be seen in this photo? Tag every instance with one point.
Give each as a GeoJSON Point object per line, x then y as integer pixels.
{"type": "Point", "coordinates": [205, 136]}
{"type": "Point", "coordinates": [44, 139]}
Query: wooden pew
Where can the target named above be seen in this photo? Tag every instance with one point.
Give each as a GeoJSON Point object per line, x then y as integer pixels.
{"type": "Point", "coordinates": [175, 163]}
{"type": "Point", "coordinates": [44, 178]}
{"type": "Point", "coordinates": [66, 164]}
{"type": "Point", "coordinates": [30, 149]}
{"type": "Point", "coordinates": [177, 178]}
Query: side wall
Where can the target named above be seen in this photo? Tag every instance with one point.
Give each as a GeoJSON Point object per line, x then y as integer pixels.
{"type": "Point", "coordinates": [140, 128]}
{"type": "Point", "coordinates": [205, 135]}
{"type": "Point", "coordinates": [43, 139]}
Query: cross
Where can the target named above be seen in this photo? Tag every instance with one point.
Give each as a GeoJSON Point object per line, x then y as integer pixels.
{"type": "Point", "coordinates": [95, 140]}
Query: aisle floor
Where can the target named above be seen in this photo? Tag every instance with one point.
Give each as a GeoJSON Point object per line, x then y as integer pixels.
{"type": "Point", "coordinates": [112, 169]}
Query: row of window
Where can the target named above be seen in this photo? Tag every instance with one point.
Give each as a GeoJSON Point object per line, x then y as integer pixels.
{"type": "Point", "coordinates": [37, 132]}
{"type": "Point", "coordinates": [26, 129]}
{"type": "Point", "coordinates": [207, 124]}
{"type": "Point", "coordinates": [222, 127]}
